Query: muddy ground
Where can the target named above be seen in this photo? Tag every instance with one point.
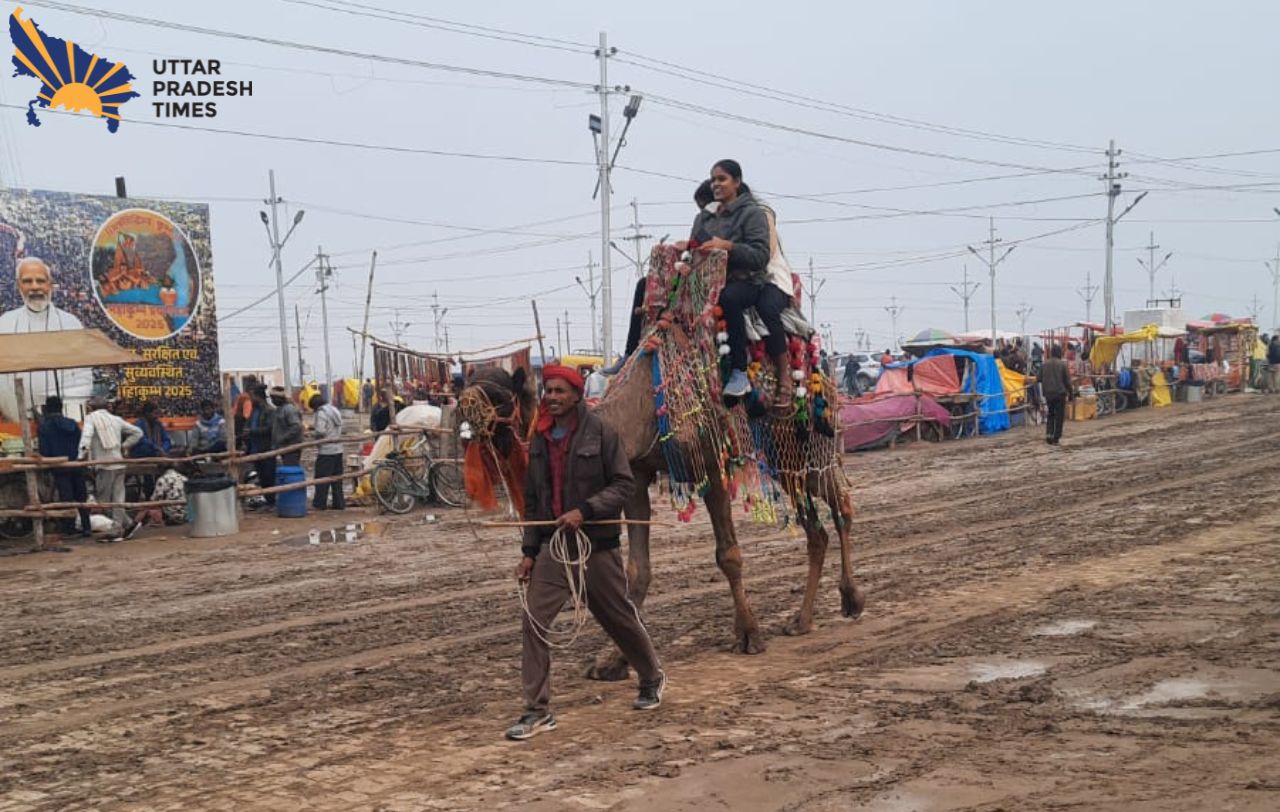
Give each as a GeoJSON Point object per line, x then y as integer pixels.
{"type": "Point", "coordinates": [1093, 626]}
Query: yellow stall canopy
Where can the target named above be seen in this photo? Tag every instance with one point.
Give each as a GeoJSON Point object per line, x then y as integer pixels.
{"type": "Point", "coordinates": [1106, 348]}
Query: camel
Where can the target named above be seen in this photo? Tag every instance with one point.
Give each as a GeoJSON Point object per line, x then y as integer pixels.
{"type": "Point", "coordinates": [630, 407]}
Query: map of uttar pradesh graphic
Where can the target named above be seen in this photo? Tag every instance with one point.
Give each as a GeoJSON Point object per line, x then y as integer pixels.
{"type": "Point", "coordinates": [70, 77]}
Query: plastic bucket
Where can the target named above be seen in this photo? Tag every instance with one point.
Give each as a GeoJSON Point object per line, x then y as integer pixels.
{"type": "Point", "coordinates": [1195, 391]}
{"type": "Point", "coordinates": [211, 507]}
{"type": "Point", "coordinates": [291, 504]}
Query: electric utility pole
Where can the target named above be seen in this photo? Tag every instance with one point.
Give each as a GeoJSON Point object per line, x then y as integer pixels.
{"type": "Point", "coordinates": [302, 367]}
{"type": "Point", "coordinates": [398, 329]}
{"type": "Point", "coordinates": [568, 342]}
{"type": "Point", "coordinates": [1274, 267]}
{"type": "Point", "coordinates": [635, 237]}
{"type": "Point", "coordinates": [992, 262]}
{"type": "Point", "coordinates": [894, 310]}
{"type": "Point", "coordinates": [1088, 292]}
{"type": "Point", "coordinates": [323, 273]}
{"type": "Point", "coordinates": [437, 316]}
{"type": "Point", "coordinates": [1151, 267]}
{"type": "Point", "coordinates": [589, 287]}
{"type": "Point", "coordinates": [277, 245]}
{"type": "Point", "coordinates": [1253, 308]}
{"type": "Point", "coordinates": [966, 293]}
{"type": "Point", "coordinates": [1112, 180]}
{"type": "Point", "coordinates": [815, 287]}
{"type": "Point", "coordinates": [1024, 313]}
{"type": "Point", "coordinates": [606, 197]}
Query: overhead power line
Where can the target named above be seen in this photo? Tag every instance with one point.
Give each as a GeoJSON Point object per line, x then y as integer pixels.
{"type": "Point", "coordinates": [309, 47]}
{"type": "Point", "coordinates": [302, 139]}
{"type": "Point", "coordinates": [796, 99]}
{"type": "Point", "coordinates": [439, 24]}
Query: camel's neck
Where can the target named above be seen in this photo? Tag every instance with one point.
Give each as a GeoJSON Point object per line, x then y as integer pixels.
{"type": "Point", "coordinates": [628, 406]}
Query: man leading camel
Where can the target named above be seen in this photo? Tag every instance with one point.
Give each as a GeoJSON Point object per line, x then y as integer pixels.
{"type": "Point", "coordinates": [578, 474]}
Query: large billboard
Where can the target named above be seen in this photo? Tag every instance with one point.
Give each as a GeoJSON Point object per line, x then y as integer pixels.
{"type": "Point", "coordinates": [140, 271]}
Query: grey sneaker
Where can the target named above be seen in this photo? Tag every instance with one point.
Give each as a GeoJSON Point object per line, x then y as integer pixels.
{"type": "Point", "coordinates": [651, 695]}
{"type": "Point", "coordinates": [531, 724]}
{"type": "Point", "coordinates": [737, 385]}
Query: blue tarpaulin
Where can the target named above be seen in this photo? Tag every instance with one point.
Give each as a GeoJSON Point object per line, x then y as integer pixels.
{"type": "Point", "coordinates": [986, 381]}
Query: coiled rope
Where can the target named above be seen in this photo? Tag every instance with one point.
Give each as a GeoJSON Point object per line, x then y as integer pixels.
{"type": "Point", "coordinates": [558, 549]}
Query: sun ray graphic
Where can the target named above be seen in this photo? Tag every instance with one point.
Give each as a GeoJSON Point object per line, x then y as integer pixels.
{"type": "Point", "coordinates": [66, 73]}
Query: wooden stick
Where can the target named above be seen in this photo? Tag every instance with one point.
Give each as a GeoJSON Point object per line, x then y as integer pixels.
{"type": "Point", "coordinates": [33, 484]}
{"type": "Point", "coordinates": [552, 523]}
{"type": "Point", "coordinates": [46, 513]}
{"type": "Point", "coordinates": [108, 505]}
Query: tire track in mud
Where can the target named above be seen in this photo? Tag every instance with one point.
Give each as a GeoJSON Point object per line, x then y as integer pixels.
{"type": "Point", "coordinates": [280, 658]}
{"type": "Point", "coordinates": [664, 555]}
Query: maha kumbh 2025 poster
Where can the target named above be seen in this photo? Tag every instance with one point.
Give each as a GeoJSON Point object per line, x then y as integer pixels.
{"type": "Point", "coordinates": [140, 271]}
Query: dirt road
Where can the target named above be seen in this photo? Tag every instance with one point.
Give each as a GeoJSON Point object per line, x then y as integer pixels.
{"type": "Point", "coordinates": [1094, 626]}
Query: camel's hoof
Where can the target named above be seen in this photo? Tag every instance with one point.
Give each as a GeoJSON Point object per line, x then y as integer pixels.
{"type": "Point", "coordinates": [797, 626]}
{"type": "Point", "coordinates": [749, 643]}
{"type": "Point", "coordinates": [611, 671]}
{"type": "Point", "coordinates": [852, 601]}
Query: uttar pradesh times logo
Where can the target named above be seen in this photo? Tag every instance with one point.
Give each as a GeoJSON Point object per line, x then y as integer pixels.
{"type": "Point", "coordinates": [72, 79]}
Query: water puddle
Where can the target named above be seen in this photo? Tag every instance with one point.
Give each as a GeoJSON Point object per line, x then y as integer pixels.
{"type": "Point", "coordinates": [1010, 669]}
{"type": "Point", "coordinates": [1208, 694]}
{"type": "Point", "coordinates": [1063, 628]}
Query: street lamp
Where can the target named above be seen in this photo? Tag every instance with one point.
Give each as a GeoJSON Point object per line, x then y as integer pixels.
{"type": "Point", "coordinates": [277, 246]}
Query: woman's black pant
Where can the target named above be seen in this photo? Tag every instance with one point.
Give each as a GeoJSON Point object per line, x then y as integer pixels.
{"type": "Point", "coordinates": [769, 302]}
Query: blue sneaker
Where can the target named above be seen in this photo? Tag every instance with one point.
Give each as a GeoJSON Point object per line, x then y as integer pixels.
{"type": "Point", "coordinates": [737, 385]}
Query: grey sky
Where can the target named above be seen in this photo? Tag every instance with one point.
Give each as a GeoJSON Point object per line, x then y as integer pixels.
{"type": "Point", "coordinates": [1166, 79]}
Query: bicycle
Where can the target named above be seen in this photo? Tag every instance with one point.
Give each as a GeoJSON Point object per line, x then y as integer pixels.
{"type": "Point", "coordinates": [403, 477]}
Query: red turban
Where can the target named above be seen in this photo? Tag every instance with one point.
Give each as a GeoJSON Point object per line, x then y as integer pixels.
{"type": "Point", "coordinates": [566, 374]}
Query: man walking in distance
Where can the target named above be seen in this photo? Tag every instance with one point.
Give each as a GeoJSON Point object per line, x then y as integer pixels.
{"type": "Point", "coordinates": [1055, 382]}
{"type": "Point", "coordinates": [578, 474]}
{"type": "Point", "coordinates": [328, 426]}
{"type": "Point", "coordinates": [107, 437]}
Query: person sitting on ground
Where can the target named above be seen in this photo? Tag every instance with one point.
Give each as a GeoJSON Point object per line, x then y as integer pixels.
{"type": "Point", "coordinates": [740, 227]}
{"type": "Point", "coordinates": [155, 440]}
{"type": "Point", "coordinates": [211, 430]}
{"type": "Point", "coordinates": [327, 426]}
{"type": "Point", "coordinates": [108, 437]}
{"type": "Point", "coordinates": [171, 486]}
{"type": "Point", "coordinates": [60, 437]}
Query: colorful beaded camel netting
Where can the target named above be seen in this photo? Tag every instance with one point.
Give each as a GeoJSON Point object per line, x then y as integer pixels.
{"type": "Point", "coordinates": [763, 459]}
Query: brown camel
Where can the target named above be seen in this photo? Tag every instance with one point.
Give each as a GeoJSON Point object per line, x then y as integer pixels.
{"type": "Point", "coordinates": [630, 407]}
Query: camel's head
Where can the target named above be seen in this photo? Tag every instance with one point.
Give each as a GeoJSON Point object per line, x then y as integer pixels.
{"type": "Point", "coordinates": [496, 405]}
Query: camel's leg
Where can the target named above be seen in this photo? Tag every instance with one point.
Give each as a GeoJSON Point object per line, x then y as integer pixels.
{"type": "Point", "coordinates": [610, 665]}
{"type": "Point", "coordinates": [817, 541]}
{"type": "Point", "coordinates": [747, 637]}
{"type": "Point", "coordinates": [852, 598]}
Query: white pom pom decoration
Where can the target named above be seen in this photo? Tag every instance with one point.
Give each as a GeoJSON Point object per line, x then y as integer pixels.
{"type": "Point", "coordinates": [722, 337]}
{"type": "Point", "coordinates": [801, 392]}
{"type": "Point", "coordinates": [797, 374]}
{"type": "Point", "coordinates": [724, 349]}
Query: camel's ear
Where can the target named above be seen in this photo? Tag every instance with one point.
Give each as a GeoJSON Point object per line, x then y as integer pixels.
{"type": "Point", "coordinates": [518, 380]}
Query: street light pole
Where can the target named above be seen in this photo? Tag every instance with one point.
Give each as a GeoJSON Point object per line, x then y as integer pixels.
{"type": "Point", "coordinates": [606, 192]}
{"type": "Point", "coordinates": [276, 247]}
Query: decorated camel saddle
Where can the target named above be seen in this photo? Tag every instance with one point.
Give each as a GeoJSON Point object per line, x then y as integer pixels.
{"type": "Point", "coordinates": [684, 351]}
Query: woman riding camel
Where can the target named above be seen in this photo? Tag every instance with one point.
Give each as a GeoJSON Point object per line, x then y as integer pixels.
{"type": "Point", "coordinates": [740, 227]}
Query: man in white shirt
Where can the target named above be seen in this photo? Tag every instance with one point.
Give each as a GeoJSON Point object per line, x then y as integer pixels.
{"type": "Point", "coordinates": [39, 315]}
{"type": "Point", "coordinates": [328, 426]}
{"type": "Point", "coordinates": [108, 437]}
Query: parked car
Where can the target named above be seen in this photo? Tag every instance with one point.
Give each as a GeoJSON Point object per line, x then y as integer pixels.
{"type": "Point", "coordinates": [868, 370]}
